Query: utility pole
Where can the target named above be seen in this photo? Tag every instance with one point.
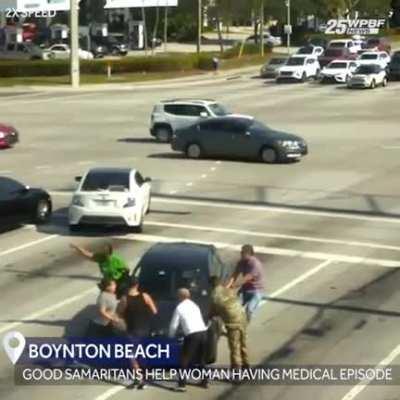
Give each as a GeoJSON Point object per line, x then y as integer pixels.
{"type": "Point", "coordinates": [74, 37]}
{"type": "Point", "coordinates": [289, 26]}
{"type": "Point", "coordinates": [199, 22]}
{"type": "Point", "coordinates": [166, 28]}
{"type": "Point", "coordinates": [262, 28]}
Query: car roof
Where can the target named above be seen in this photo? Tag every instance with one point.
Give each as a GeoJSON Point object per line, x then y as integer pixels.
{"type": "Point", "coordinates": [105, 170]}
{"type": "Point", "coordinates": [180, 252]}
{"type": "Point", "coordinates": [231, 118]}
{"type": "Point", "coordinates": [189, 101]}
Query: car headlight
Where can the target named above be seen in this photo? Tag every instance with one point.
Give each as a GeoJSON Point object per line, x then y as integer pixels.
{"type": "Point", "coordinates": [288, 143]}
{"type": "Point", "coordinates": [77, 201]}
{"type": "Point", "coordinates": [2, 135]}
{"type": "Point", "coordinates": [130, 203]}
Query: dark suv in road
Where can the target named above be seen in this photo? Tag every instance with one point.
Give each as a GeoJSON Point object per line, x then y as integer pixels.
{"type": "Point", "coordinates": [166, 267]}
{"type": "Point", "coordinates": [394, 66]}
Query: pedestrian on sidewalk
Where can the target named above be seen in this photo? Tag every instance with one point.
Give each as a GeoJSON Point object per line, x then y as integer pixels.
{"type": "Point", "coordinates": [251, 272]}
{"type": "Point", "coordinates": [187, 315]}
{"type": "Point", "coordinates": [111, 265]}
{"type": "Point", "coordinates": [225, 304]}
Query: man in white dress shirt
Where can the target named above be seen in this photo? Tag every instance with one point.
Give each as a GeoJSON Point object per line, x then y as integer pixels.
{"type": "Point", "coordinates": [187, 315]}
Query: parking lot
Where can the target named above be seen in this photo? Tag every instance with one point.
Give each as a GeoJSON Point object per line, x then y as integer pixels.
{"type": "Point", "coordinates": [325, 227]}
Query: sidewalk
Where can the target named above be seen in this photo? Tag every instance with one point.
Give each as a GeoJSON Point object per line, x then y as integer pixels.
{"type": "Point", "coordinates": [193, 80]}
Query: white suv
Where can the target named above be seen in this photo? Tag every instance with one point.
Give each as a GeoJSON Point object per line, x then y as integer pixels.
{"type": "Point", "coordinates": [170, 115]}
{"type": "Point", "coordinates": [299, 68]}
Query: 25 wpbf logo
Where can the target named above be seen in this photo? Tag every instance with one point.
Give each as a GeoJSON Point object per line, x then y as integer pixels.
{"type": "Point", "coordinates": [354, 26]}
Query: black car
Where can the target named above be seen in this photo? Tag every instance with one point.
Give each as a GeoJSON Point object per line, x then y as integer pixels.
{"type": "Point", "coordinates": [166, 267]}
{"type": "Point", "coordinates": [21, 204]}
{"type": "Point", "coordinates": [113, 45]}
{"type": "Point", "coordinates": [238, 137]}
{"type": "Point", "coordinates": [394, 66]}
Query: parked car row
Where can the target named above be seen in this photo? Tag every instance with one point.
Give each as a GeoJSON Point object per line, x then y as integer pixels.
{"type": "Point", "coordinates": [335, 65]}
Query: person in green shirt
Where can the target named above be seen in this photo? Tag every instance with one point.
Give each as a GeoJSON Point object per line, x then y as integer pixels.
{"type": "Point", "coordinates": [111, 265]}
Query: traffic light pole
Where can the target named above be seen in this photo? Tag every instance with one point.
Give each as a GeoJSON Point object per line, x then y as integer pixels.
{"type": "Point", "coordinates": [74, 38]}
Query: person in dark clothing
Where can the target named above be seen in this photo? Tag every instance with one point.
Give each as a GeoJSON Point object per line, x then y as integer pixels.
{"type": "Point", "coordinates": [137, 309]}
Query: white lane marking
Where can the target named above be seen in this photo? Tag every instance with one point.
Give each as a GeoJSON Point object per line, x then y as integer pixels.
{"type": "Point", "coordinates": [189, 184]}
{"type": "Point", "coordinates": [48, 310]}
{"type": "Point", "coordinates": [204, 176]}
{"type": "Point", "coordinates": [217, 162]}
{"type": "Point", "coordinates": [390, 147]}
{"type": "Point", "coordinates": [275, 235]}
{"type": "Point", "coordinates": [256, 207]}
{"type": "Point", "coordinates": [27, 245]}
{"type": "Point", "coordinates": [270, 250]}
{"type": "Point", "coordinates": [85, 162]}
{"type": "Point", "coordinates": [5, 172]}
{"type": "Point", "coordinates": [213, 168]}
{"type": "Point", "coordinates": [43, 167]}
{"type": "Point", "coordinates": [300, 279]}
{"type": "Point", "coordinates": [173, 192]}
{"type": "Point", "coordinates": [356, 390]}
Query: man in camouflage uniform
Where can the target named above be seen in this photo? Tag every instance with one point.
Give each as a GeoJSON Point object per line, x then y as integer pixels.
{"type": "Point", "coordinates": [224, 303]}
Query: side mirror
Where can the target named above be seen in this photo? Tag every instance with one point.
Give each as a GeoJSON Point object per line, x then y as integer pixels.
{"type": "Point", "coordinates": [147, 179]}
{"type": "Point", "coordinates": [78, 178]}
{"type": "Point", "coordinates": [203, 114]}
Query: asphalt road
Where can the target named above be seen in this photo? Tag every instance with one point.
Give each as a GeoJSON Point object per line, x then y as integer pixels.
{"type": "Point", "coordinates": [325, 228]}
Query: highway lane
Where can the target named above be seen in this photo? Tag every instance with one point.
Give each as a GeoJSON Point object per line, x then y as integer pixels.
{"type": "Point", "coordinates": [350, 168]}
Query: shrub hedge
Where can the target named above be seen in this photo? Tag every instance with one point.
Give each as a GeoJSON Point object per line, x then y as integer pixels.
{"type": "Point", "coordinates": [157, 63]}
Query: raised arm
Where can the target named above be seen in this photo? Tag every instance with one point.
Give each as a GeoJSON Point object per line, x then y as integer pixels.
{"type": "Point", "coordinates": [150, 303]}
{"type": "Point", "coordinates": [82, 251]}
{"type": "Point", "coordinates": [233, 278]}
{"type": "Point", "coordinates": [174, 324]}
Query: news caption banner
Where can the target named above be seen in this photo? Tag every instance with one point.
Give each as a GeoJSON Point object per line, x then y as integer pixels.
{"type": "Point", "coordinates": [86, 361]}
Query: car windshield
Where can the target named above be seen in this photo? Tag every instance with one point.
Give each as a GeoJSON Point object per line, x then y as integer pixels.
{"type": "Point", "coordinates": [115, 181]}
{"type": "Point", "coordinates": [296, 61]}
{"type": "Point", "coordinates": [367, 69]}
{"type": "Point", "coordinates": [373, 42]}
{"type": "Point", "coordinates": [337, 44]}
{"type": "Point", "coordinates": [277, 61]}
{"type": "Point", "coordinates": [219, 110]}
{"type": "Point", "coordinates": [337, 65]}
{"type": "Point", "coordinates": [163, 280]}
{"type": "Point", "coordinates": [305, 50]}
{"type": "Point", "coordinates": [369, 56]}
{"type": "Point", "coordinates": [333, 53]}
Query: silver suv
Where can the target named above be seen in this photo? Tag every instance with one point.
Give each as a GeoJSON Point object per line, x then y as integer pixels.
{"type": "Point", "coordinates": [170, 115]}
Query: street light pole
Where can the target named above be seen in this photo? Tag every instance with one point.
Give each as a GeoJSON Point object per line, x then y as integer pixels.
{"type": "Point", "coordinates": [199, 22]}
{"type": "Point", "coordinates": [262, 28]}
{"type": "Point", "coordinates": [289, 26]}
{"type": "Point", "coordinates": [74, 37]}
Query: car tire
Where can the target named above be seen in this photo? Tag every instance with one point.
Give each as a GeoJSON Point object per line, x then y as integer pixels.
{"type": "Point", "coordinates": [163, 134]}
{"type": "Point", "coordinates": [373, 84]}
{"type": "Point", "coordinates": [304, 77]}
{"type": "Point", "coordinates": [384, 82]}
{"type": "Point", "coordinates": [269, 155]}
{"type": "Point", "coordinates": [42, 211]}
{"type": "Point", "coordinates": [347, 78]}
{"type": "Point", "coordinates": [317, 74]}
{"type": "Point", "coordinates": [194, 151]}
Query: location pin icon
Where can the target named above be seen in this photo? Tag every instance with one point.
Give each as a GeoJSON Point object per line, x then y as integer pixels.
{"type": "Point", "coordinates": [14, 344]}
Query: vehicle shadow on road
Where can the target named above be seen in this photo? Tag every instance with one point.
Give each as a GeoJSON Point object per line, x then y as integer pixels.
{"type": "Point", "coordinates": [172, 156]}
{"type": "Point", "coordinates": [138, 140]}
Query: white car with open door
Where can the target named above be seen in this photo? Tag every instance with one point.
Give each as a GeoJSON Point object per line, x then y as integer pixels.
{"type": "Point", "coordinates": [110, 196]}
